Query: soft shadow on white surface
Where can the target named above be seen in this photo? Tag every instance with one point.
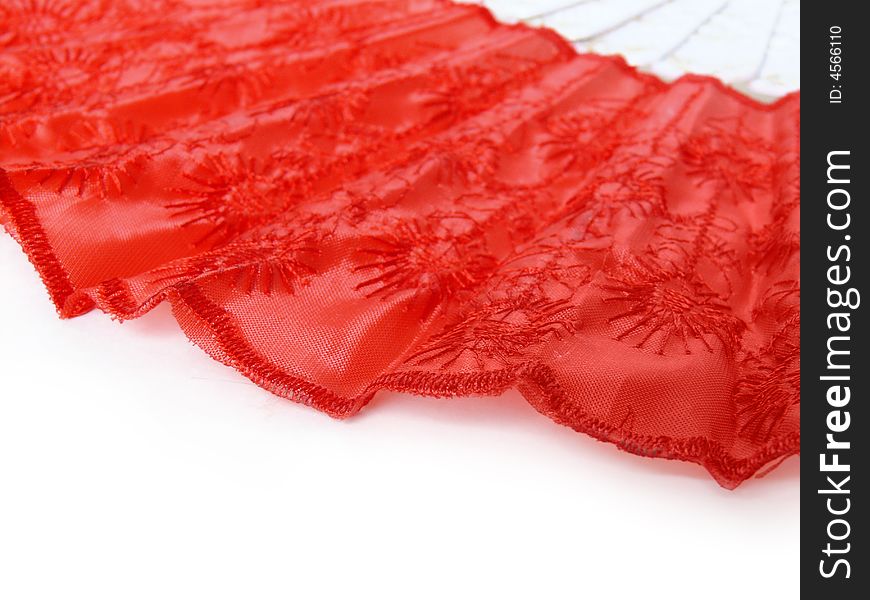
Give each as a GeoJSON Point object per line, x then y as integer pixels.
{"type": "Point", "coordinates": [159, 322]}
{"type": "Point", "coordinates": [512, 411]}
{"type": "Point", "coordinates": [134, 466]}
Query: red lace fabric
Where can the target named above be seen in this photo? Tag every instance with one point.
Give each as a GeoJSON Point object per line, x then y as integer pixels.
{"type": "Point", "coordinates": [339, 197]}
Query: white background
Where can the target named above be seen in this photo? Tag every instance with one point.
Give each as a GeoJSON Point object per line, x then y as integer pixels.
{"type": "Point", "coordinates": [753, 45]}
{"type": "Point", "coordinates": [134, 466]}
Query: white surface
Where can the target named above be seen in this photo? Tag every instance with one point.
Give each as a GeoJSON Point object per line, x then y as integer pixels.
{"type": "Point", "coordinates": [753, 45]}
{"type": "Point", "coordinates": [585, 20]}
{"type": "Point", "coordinates": [132, 466]}
{"type": "Point", "coordinates": [733, 44]}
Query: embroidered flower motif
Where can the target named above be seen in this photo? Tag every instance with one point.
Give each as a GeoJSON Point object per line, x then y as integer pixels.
{"type": "Point", "coordinates": [366, 59]}
{"type": "Point", "coordinates": [780, 241]}
{"type": "Point", "coordinates": [769, 385]}
{"type": "Point", "coordinates": [14, 131]}
{"type": "Point", "coordinates": [473, 161]}
{"type": "Point", "coordinates": [632, 187]}
{"type": "Point", "coordinates": [582, 138]}
{"type": "Point", "coordinates": [686, 241]}
{"type": "Point", "coordinates": [332, 111]}
{"type": "Point", "coordinates": [663, 308]}
{"type": "Point", "coordinates": [265, 263]}
{"type": "Point", "coordinates": [442, 255]}
{"type": "Point", "coordinates": [549, 266]}
{"type": "Point", "coordinates": [12, 79]}
{"type": "Point", "coordinates": [301, 26]}
{"type": "Point", "coordinates": [457, 91]}
{"type": "Point", "coordinates": [731, 157]}
{"type": "Point", "coordinates": [54, 78]}
{"type": "Point", "coordinates": [503, 332]}
{"type": "Point", "coordinates": [106, 175]}
{"type": "Point", "coordinates": [451, 96]}
{"type": "Point", "coordinates": [232, 195]}
{"type": "Point", "coordinates": [40, 22]}
{"type": "Point", "coordinates": [245, 83]}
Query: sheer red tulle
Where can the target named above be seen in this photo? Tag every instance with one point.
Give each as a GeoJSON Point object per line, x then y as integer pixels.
{"type": "Point", "coordinates": [339, 197]}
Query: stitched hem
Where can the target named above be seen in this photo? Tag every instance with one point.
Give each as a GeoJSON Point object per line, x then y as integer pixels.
{"type": "Point", "coordinates": [25, 226]}
{"type": "Point", "coordinates": [535, 381]}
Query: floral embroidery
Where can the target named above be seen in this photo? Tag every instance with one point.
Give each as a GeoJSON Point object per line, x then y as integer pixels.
{"type": "Point", "coordinates": [232, 195]}
{"type": "Point", "coordinates": [633, 187]}
{"type": "Point", "coordinates": [728, 155]}
{"type": "Point", "coordinates": [501, 331]}
{"type": "Point", "coordinates": [662, 308]}
{"type": "Point", "coordinates": [268, 262]}
{"type": "Point", "coordinates": [39, 22]}
{"type": "Point", "coordinates": [584, 137]}
{"type": "Point", "coordinates": [770, 383]}
{"type": "Point", "coordinates": [425, 256]}
{"type": "Point", "coordinates": [245, 83]}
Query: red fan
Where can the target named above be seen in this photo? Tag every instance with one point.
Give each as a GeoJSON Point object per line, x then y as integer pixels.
{"type": "Point", "coordinates": [408, 195]}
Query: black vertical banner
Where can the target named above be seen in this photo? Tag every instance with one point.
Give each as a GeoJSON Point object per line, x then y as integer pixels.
{"type": "Point", "coordinates": [835, 110]}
